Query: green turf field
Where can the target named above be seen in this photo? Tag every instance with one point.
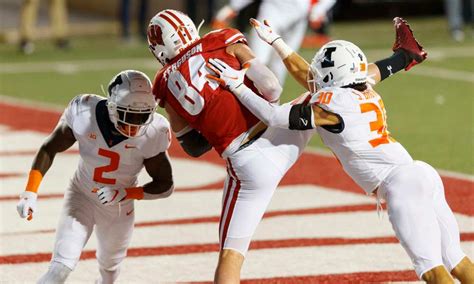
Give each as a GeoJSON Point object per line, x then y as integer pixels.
{"type": "Point", "coordinates": [430, 110]}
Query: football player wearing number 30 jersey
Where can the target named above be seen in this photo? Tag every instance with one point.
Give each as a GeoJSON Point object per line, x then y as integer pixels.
{"type": "Point", "coordinates": [117, 138]}
{"type": "Point", "coordinates": [339, 92]}
{"type": "Point", "coordinates": [205, 115]}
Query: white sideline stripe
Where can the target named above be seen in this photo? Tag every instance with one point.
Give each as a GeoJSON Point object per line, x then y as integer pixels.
{"type": "Point", "coordinates": [185, 205]}
{"type": "Point", "coordinates": [443, 73]}
{"type": "Point", "coordinates": [285, 262]}
{"type": "Point", "coordinates": [36, 105]}
{"type": "Point", "coordinates": [434, 54]}
{"type": "Point", "coordinates": [68, 67]}
{"type": "Point", "coordinates": [331, 225]}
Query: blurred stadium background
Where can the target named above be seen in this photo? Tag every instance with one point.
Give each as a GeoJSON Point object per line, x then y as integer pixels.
{"type": "Point", "coordinates": [430, 108]}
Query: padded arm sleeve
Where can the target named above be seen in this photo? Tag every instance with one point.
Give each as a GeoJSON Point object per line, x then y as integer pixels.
{"type": "Point", "coordinates": [265, 81]}
{"type": "Point", "coordinates": [301, 117]}
{"type": "Point", "coordinates": [193, 143]}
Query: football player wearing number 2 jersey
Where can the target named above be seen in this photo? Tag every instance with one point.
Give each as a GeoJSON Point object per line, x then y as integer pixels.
{"type": "Point", "coordinates": [117, 137]}
{"type": "Point", "coordinates": [204, 115]}
{"type": "Point", "coordinates": [339, 92]}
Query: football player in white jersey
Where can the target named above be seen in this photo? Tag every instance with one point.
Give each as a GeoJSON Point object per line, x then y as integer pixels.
{"type": "Point", "coordinates": [118, 136]}
{"type": "Point", "coordinates": [340, 92]}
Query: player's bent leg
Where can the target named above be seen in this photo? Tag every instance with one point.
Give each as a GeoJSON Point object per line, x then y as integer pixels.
{"type": "Point", "coordinates": [74, 229]}
{"type": "Point", "coordinates": [437, 275]}
{"type": "Point", "coordinates": [228, 268]}
{"type": "Point", "coordinates": [409, 196]}
{"type": "Point", "coordinates": [464, 271]}
{"type": "Point", "coordinates": [453, 255]}
{"type": "Point", "coordinates": [114, 231]}
{"type": "Point", "coordinates": [253, 174]}
{"type": "Point", "coordinates": [57, 273]}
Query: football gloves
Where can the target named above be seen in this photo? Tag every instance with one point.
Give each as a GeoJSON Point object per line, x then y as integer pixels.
{"type": "Point", "coordinates": [27, 204]}
{"type": "Point", "coordinates": [264, 31]}
{"type": "Point", "coordinates": [406, 41]}
{"type": "Point", "coordinates": [111, 196]}
{"type": "Point", "coordinates": [227, 76]}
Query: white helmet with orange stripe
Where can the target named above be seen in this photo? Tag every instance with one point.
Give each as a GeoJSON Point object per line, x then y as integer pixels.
{"type": "Point", "coordinates": [169, 32]}
{"type": "Point", "coordinates": [338, 63]}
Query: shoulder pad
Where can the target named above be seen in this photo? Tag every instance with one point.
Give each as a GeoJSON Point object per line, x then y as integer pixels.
{"type": "Point", "coordinates": [84, 102]}
{"type": "Point", "coordinates": [226, 37]}
{"type": "Point", "coordinates": [337, 100]}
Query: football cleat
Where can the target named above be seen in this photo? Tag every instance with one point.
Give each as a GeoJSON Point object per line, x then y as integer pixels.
{"type": "Point", "coordinates": [406, 41]}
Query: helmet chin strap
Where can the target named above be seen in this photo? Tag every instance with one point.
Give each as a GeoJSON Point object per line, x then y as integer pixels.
{"type": "Point", "coordinates": [200, 25]}
{"type": "Point", "coordinates": [103, 90]}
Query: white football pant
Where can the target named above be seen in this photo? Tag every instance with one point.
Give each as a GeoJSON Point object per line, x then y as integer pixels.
{"type": "Point", "coordinates": [253, 174]}
{"type": "Point", "coordinates": [113, 229]}
{"type": "Point", "coordinates": [421, 218]}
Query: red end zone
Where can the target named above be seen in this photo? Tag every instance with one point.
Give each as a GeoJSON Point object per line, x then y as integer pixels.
{"type": "Point", "coordinates": [311, 168]}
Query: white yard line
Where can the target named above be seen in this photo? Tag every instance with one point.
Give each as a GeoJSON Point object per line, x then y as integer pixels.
{"type": "Point", "coordinates": [443, 73]}
{"type": "Point", "coordinates": [74, 66]}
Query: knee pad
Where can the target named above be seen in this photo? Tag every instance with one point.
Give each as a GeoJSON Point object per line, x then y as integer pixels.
{"type": "Point", "coordinates": [110, 264]}
{"type": "Point", "coordinates": [57, 273]}
{"type": "Point", "coordinates": [108, 276]}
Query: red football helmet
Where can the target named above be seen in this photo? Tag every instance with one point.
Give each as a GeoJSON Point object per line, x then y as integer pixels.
{"type": "Point", "coordinates": [169, 32]}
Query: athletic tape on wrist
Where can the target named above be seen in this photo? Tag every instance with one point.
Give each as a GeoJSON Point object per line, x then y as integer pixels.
{"type": "Point", "coordinates": [282, 48]}
{"type": "Point", "coordinates": [34, 180]}
{"type": "Point", "coordinates": [134, 193]}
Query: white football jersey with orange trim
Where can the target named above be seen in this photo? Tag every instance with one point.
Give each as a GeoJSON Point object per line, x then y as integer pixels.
{"type": "Point", "coordinates": [364, 146]}
{"type": "Point", "coordinates": [101, 164]}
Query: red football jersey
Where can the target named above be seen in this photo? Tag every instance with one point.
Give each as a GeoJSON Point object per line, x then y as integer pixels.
{"type": "Point", "coordinates": [206, 106]}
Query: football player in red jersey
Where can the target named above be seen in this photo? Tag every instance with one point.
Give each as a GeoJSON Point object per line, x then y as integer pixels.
{"type": "Point", "coordinates": [204, 115]}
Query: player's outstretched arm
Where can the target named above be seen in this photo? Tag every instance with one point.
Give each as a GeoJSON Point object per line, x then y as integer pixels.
{"type": "Point", "coordinates": [263, 79]}
{"type": "Point", "coordinates": [407, 53]}
{"type": "Point", "coordinates": [288, 116]}
{"type": "Point", "coordinates": [296, 65]}
{"type": "Point", "coordinates": [59, 140]}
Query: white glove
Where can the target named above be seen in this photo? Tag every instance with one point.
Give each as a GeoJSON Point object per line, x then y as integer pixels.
{"type": "Point", "coordinates": [264, 31]}
{"type": "Point", "coordinates": [111, 196]}
{"type": "Point", "coordinates": [227, 76]}
{"type": "Point", "coordinates": [27, 204]}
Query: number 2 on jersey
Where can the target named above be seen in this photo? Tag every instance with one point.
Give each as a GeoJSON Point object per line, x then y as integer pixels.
{"type": "Point", "coordinates": [379, 125]}
{"type": "Point", "coordinates": [112, 166]}
{"type": "Point", "coordinates": [188, 95]}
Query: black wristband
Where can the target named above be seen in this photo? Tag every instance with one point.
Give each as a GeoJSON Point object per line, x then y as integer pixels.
{"type": "Point", "coordinates": [391, 65]}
